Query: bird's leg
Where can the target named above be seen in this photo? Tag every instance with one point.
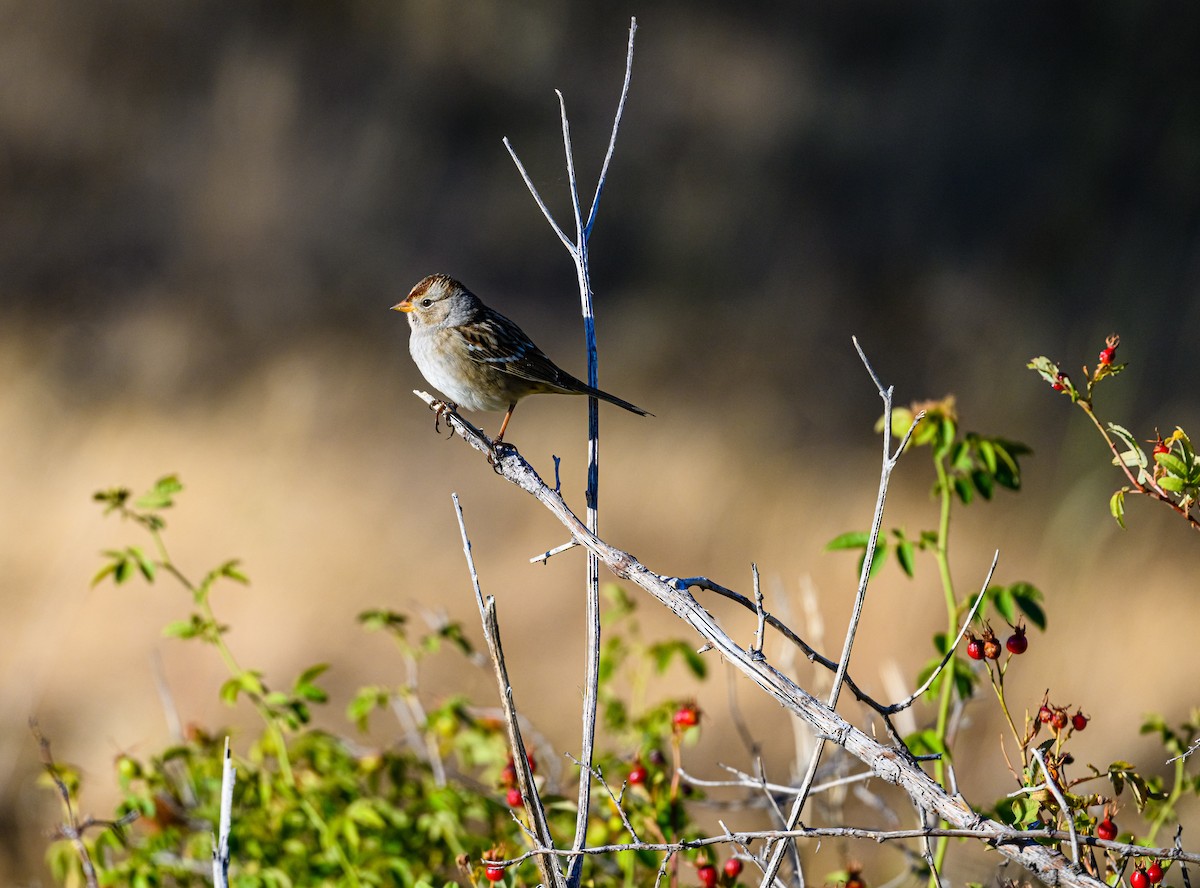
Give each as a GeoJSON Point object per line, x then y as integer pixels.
{"type": "Point", "coordinates": [498, 441]}
{"type": "Point", "coordinates": [504, 424]}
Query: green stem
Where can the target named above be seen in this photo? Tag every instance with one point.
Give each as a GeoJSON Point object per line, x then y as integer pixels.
{"type": "Point", "coordinates": [941, 555]}
{"type": "Point", "coordinates": [998, 687]}
{"type": "Point", "coordinates": [1168, 804]}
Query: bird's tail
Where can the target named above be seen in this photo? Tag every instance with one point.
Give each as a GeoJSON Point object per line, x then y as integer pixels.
{"type": "Point", "coordinates": [613, 399]}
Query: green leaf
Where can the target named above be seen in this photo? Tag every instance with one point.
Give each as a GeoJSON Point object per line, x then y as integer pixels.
{"type": "Point", "coordinates": [926, 742]}
{"type": "Point", "coordinates": [983, 483]}
{"type": "Point", "coordinates": [183, 628]}
{"type": "Point", "coordinates": [1028, 598]}
{"type": "Point", "coordinates": [1172, 464]}
{"type": "Point", "coordinates": [1004, 602]}
{"type": "Point", "coordinates": [905, 555]}
{"type": "Point", "coordinates": [855, 539]}
{"type": "Point", "coordinates": [161, 495]}
{"type": "Point", "coordinates": [144, 564]}
{"type": "Point", "coordinates": [229, 691]}
{"type": "Point", "coordinates": [963, 489]}
{"type": "Point", "coordinates": [1116, 505]}
{"type": "Point", "coordinates": [1171, 483]}
{"type": "Point", "coordinates": [231, 571]}
{"type": "Point", "coordinates": [987, 453]}
{"type": "Point", "coordinates": [310, 673]}
{"type": "Point", "coordinates": [108, 569]}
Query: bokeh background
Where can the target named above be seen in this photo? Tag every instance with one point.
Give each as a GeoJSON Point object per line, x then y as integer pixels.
{"type": "Point", "coordinates": [206, 209]}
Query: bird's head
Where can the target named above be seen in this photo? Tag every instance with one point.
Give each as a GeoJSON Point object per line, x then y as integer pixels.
{"type": "Point", "coordinates": [437, 301]}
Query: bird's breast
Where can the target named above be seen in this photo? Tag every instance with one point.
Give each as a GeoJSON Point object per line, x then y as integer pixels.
{"type": "Point", "coordinates": [442, 360]}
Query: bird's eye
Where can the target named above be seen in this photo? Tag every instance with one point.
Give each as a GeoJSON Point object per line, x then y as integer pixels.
{"type": "Point", "coordinates": [426, 302]}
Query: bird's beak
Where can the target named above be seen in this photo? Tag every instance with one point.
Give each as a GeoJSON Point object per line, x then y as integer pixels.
{"type": "Point", "coordinates": [405, 306]}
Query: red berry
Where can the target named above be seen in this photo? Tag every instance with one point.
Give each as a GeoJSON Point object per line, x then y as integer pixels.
{"type": "Point", "coordinates": [1139, 879]}
{"type": "Point", "coordinates": [1059, 720]}
{"type": "Point", "coordinates": [508, 777]}
{"type": "Point", "coordinates": [1160, 446]}
{"type": "Point", "coordinates": [1045, 714]}
{"type": "Point", "coordinates": [1017, 642]}
{"type": "Point", "coordinates": [1079, 721]}
{"type": "Point", "coordinates": [1106, 829]}
{"type": "Point", "coordinates": [991, 648]}
{"type": "Point", "coordinates": [1107, 355]}
{"type": "Point", "coordinates": [733, 868]}
{"type": "Point", "coordinates": [1154, 873]}
{"type": "Point", "coordinates": [513, 797]}
{"type": "Point", "coordinates": [974, 648]}
{"type": "Point", "coordinates": [637, 774]}
{"type": "Point", "coordinates": [493, 873]}
{"type": "Point", "coordinates": [686, 716]}
{"type": "Point", "coordinates": [707, 875]}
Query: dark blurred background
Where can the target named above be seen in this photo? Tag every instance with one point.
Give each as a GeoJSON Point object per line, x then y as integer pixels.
{"type": "Point", "coordinates": [206, 209]}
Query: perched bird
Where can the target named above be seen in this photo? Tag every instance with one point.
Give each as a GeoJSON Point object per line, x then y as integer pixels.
{"type": "Point", "coordinates": [477, 357]}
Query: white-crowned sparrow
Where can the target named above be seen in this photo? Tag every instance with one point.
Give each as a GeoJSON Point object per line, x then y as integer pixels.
{"type": "Point", "coordinates": [477, 357]}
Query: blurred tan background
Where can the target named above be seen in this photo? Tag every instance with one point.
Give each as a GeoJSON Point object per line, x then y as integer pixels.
{"type": "Point", "coordinates": [207, 208]}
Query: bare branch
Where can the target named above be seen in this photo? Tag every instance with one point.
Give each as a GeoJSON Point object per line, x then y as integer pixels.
{"type": "Point", "coordinates": [1003, 839]}
{"type": "Point", "coordinates": [889, 763]}
{"type": "Point", "coordinates": [540, 828]}
{"type": "Point", "coordinates": [889, 463]}
{"type": "Point", "coordinates": [1052, 785]}
{"type": "Point", "coordinates": [612, 140]}
{"type": "Point", "coordinates": [220, 854]}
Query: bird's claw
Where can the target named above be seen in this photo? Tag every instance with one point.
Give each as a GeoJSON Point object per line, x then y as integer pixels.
{"type": "Point", "coordinates": [441, 408]}
{"type": "Point", "coordinates": [497, 452]}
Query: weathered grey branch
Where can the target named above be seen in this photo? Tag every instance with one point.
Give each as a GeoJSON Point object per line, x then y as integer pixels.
{"type": "Point", "coordinates": [889, 763]}
{"type": "Point", "coordinates": [579, 254]}
{"type": "Point", "coordinates": [220, 854]}
{"type": "Point", "coordinates": [890, 459]}
{"type": "Point", "coordinates": [540, 828]}
{"type": "Point", "coordinates": [1001, 839]}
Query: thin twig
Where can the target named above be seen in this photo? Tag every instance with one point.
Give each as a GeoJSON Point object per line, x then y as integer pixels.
{"type": "Point", "coordinates": [612, 140]}
{"type": "Point", "coordinates": [547, 864]}
{"type": "Point", "coordinates": [912, 698]}
{"type": "Point", "coordinates": [757, 650]}
{"type": "Point", "coordinates": [888, 464]}
{"type": "Point", "coordinates": [1052, 785]}
{"type": "Point", "coordinates": [550, 553]}
{"type": "Point", "coordinates": [1002, 839]}
{"type": "Point", "coordinates": [579, 254]}
{"type": "Point", "coordinates": [220, 854]}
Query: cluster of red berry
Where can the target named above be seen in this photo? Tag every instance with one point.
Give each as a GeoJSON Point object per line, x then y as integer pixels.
{"type": "Point", "coordinates": [508, 781]}
{"type": "Point", "coordinates": [1057, 718]}
{"type": "Point", "coordinates": [709, 877]}
{"type": "Point", "coordinates": [1144, 878]}
{"type": "Point", "coordinates": [988, 647]}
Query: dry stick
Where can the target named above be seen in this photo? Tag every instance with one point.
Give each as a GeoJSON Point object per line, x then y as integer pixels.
{"type": "Point", "coordinates": [889, 463]}
{"type": "Point", "coordinates": [890, 763]}
{"type": "Point", "coordinates": [912, 698]}
{"type": "Point", "coordinates": [579, 253]}
{"type": "Point", "coordinates": [783, 629]}
{"type": "Point", "coordinates": [220, 854]}
{"type": "Point", "coordinates": [1002, 839]}
{"type": "Point", "coordinates": [757, 649]}
{"type": "Point", "coordinates": [1062, 804]}
{"type": "Point", "coordinates": [547, 863]}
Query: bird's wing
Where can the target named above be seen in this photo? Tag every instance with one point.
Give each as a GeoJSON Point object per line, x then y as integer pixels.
{"type": "Point", "coordinates": [497, 341]}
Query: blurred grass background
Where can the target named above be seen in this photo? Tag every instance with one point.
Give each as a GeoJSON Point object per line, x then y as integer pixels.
{"type": "Point", "coordinates": [207, 209]}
